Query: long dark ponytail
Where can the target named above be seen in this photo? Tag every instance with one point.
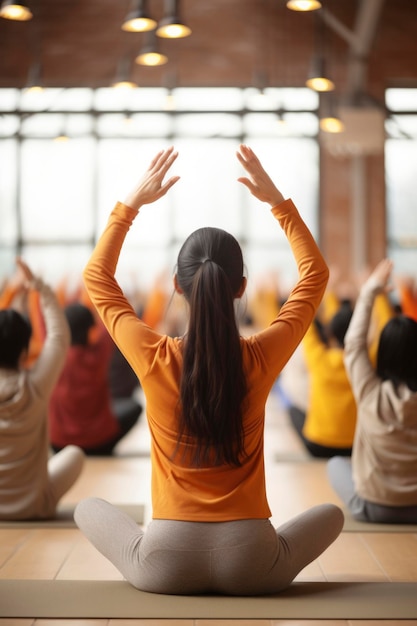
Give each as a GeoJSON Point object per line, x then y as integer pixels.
{"type": "Point", "coordinates": [213, 385]}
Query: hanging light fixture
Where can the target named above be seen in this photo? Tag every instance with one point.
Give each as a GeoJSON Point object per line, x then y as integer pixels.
{"type": "Point", "coordinates": [330, 121]}
{"type": "Point", "coordinates": [149, 53]}
{"type": "Point", "coordinates": [18, 11]}
{"type": "Point", "coordinates": [303, 5]}
{"type": "Point", "coordinates": [171, 26]}
{"type": "Point", "coordinates": [34, 81]}
{"type": "Point", "coordinates": [138, 19]}
{"type": "Point", "coordinates": [317, 77]}
{"type": "Point", "coordinates": [123, 79]}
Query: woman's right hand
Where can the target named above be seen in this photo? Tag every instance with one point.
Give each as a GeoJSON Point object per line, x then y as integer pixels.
{"type": "Point", "coordinates": [259, 184]}
{"type": "Point", "coordinates": [151, 187]}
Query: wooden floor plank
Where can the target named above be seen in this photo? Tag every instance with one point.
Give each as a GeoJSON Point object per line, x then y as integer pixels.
{"type": "Point", "coordinates": [349, 558]}
{"type": "Point", "coordinates": [41, 555]}
{"type": "Point", "coordinates": [396, 554]}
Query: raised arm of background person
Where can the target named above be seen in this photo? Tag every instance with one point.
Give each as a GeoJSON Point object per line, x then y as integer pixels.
{"type": "Point", "coordinates": [46, 369]}
{"type": "Point", "coordinates": [357, 359]}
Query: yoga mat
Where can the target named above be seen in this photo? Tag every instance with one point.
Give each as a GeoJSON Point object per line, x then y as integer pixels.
{"type": "Point", "coordinates": [64, 517]}
{"type": "Point", "coordinates": [353, 526]}
{"type": "Point", "coordinates": [117, 599]}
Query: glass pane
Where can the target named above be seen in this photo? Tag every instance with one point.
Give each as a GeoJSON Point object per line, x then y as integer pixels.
{"type": "Point", "coordinates": [269, 124]}
{"type": "Point", "coordinates": [120, 164]}
{"type": "Point", "coordinates": [8, 182]}
{"type": "Point", "coordinates": [57, 189]}
{"type": "Point", "coordinates": [207, 194]}
{"type": "Point", "coordinates": [401, 174]}
{"type": "Point", "coordinates": [77, 99]}
{"type": "Point", "coordinates": [286, 99]}
{"type": "Point", "coordinates": [293, 165]}
{"type": "Point", "coordinates": [217, 99]}
{"type": "Point", "coordinates": [38, 100]}
{"type": "Point", "coordinates": [402, 126]}
{"type": "Point", "coordinates": [7, 262]}
{"type": "Point", "coordinates": [43, 125]}
{"type": "Point", "coordinates": [58, 264]}
{"type": "Point", "coordinates": [208, 125]}
{"type": "Point", "coordinates": [134, 125]}
{"type": "Point", "coordinates": [152, 99]}
{"type": "Point", "coordinates": [401, 99]}
{"type": "Point", "coordinates": [9, 99]}
{"type": "Point", "coordinates": [141, 99]}
{"type": "Point", "coordinates": [267, 261]}
{"type": "Point", "coordinates": [140, 265]}
{"type": "Point", "coordinates": [9, 125]}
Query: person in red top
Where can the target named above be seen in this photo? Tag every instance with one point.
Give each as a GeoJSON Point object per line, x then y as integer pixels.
{"type": "Point", "coordinates": [205, 402]}
{"type": "Point", "coordinates": [81, 409]}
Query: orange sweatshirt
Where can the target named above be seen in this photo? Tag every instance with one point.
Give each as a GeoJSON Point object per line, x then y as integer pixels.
{"type": "Point", "coordinates": [213, 493]}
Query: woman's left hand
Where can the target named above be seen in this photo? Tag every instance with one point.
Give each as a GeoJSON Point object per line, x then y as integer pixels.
{"type": "Point", "coordinates": [151, 187]}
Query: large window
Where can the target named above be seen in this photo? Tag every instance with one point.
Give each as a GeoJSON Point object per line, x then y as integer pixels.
{"type": "Point", "coordinates": [401, 176]}
{"type": "Point", "coordinates": [69, 154]}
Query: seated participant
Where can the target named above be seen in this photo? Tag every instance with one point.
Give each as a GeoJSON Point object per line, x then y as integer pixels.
{"type": "Point", "coordinates": [205, 397]}
{"type": "Point", "coordinates": [327, 426]}
{"type": "Point", "coordinates": [81, 409]}
{"type": "Point", "coordinates": [379, 484]}
{"type": "Point", "coordinates": [32, 482]}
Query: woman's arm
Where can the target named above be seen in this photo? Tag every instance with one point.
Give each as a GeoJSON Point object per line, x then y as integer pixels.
{"type": "Point", "coordinates": [113, 307]}
{"type": "Point", "coordinates": [357, 360]}
{"type": "Point", "coordinates": [296, 315]}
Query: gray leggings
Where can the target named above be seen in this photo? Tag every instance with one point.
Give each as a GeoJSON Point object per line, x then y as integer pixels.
{"type": "Point", "coordinates": [339, 471]}
{"type": "Point", "coordinates": [244, 557]}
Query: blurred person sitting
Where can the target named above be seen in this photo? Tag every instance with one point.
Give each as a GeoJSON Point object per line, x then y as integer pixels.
{"type": "Point", "coordinates": [31, 481]}
{"type": "Point", "coordinates": [81, 409]}
{"type": "Point", "coordinates": [327, 426]}
{"type": "Point", "coordinates": [379, 483]}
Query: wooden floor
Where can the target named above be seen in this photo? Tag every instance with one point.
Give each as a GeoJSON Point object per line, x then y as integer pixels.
{"type": "Point", "coordinates": [294, 483]}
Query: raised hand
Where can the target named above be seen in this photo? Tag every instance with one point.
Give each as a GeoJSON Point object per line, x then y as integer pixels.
{"type": "Point", "coordinates": [381, 275]}
{"type": "Point", "coordinates": [25, 271]}
{"type": "Point", "coordinates": [259, 184]}
{"type": "Point", "coordinates": [151, 187]}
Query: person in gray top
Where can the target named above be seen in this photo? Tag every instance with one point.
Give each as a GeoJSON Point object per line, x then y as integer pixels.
{"type": "Point", "coordinates": [379, 483]}
{"type": "Point", "coordinates": [31, 481]}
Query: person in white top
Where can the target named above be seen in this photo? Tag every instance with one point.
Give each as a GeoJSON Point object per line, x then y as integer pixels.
{"type": "Point", "coordinates": [379, 482]}
{"type": "Point", "coordinates": [31, 481]}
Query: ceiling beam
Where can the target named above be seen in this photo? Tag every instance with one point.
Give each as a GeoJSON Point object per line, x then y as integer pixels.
{"type": "Point", "coordinates": [360, 42]}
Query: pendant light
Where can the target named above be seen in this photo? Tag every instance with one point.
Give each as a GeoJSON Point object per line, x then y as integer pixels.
{"type": "Point", "coordinates": [318, 79]}
{"type": "Point", "coordinates": [171, 26]}
{"type": "Point", "coordinates": [329, 119]}
{"type": "Point", "coordinates": [303, 5]}
{"type": "Point", "coordinates": [17, 11]}
{"type": "Point", "coordinates": [138, 19]}
{"type": "Point", "coordinates": [123, 75]}
{"type": "Point", "coordinates": [149, 54]}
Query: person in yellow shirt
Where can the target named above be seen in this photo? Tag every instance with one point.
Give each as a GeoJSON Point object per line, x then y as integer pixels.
{"type": "Point", "coordinates": [205, 402]}
{"type": "Point", "coordinates": [327, 427]}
